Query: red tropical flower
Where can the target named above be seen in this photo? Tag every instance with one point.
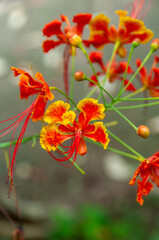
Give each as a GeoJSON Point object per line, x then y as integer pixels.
{"type": "Point", "coordinates": [150, 80]}
{"type": "Point", "coordinates": [64, 126]}
{"type": "Point", "coordinates": [128, 30]}
{"type": "Point", "coordinates": [28, 86]}
{"type": "Point", "coordinates": [115, 72]}
{"type": "Point", "coordinates": [148, 170]}
{"type": "Point", "coordinates": [71, 36]}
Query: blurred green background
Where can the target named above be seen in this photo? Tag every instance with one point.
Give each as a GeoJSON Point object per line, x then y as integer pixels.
{"type": "Point", "coordinates": [59, 203]}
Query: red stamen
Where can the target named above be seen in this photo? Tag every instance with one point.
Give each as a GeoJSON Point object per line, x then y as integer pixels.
{"type": "Point", "coordinates": [66, 66]}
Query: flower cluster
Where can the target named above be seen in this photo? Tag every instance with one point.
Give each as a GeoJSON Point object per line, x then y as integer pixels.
{"type": "Point", "coordinates": [66, 126]}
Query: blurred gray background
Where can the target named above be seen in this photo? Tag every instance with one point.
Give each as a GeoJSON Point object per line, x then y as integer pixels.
{"type": "Point", "coordinates": [41, 182]}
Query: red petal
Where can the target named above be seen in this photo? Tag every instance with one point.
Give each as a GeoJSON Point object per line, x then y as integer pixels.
{"type": "Point", "coordinates": [97, 57]}
{"type": "Point", "coordinates": [50, 44]}
{"type": "Point", "coordinates": [130, 87]}
{"type": "Point", "coordinates": [143, 70]}
{"type": "Point", "coordinates": [39, 108]}
{"type": "Point", "coordinates": [81, 19]}
{"type": "Point", "coordinates": [52, 28]}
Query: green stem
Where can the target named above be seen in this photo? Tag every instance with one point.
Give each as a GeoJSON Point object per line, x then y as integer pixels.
{"type": "Point", "coordinates": [140, 90]}
{"type": "Point", "coordinates": [124, 117]}
{"type": "Point", "coordinates": [64, 94]}
{"type": "Point", "coordinates": [138, 70]}
{"type": "Point", "coordinates": [140, 158]}
{"type": "Point", "coordinates": [87, 57]}
{"type": "Point", "coordinates": [123, 153]}
{"type": "Point", "coordinates": [138, 99]}
{"type": "Point", "coordinates": [77, 166]}
{"type": "Point", "coordinates": [71, 160]}
{"type": "Point", "coordinates": [90, 80]}
{"type": "Point", "coordinates": [124, 77]}
{"type": "Point", "coordinates": [24, 140]}
{"type": "Point", "coordinates": [135, 106]}
{"type": "Point", "coordinates": [111, 60]}
{"type": "Point", "coordinates": [72, 73]}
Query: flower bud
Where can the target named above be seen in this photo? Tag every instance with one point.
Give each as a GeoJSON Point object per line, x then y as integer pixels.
{"type": "Point", "coordinates": [74, 39]}
{"type": "Point", "coordinates": [155, 44]}
{"type": "Point", "coordinates": [136, 42]}
{"type": "Point", "coordinates": [143, 131]}
{"type": "Point", "coordinates": [79, 76]}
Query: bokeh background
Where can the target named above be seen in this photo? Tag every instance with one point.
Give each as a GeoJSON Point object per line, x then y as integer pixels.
{"type": "Point", "coordinates": [58, 202]}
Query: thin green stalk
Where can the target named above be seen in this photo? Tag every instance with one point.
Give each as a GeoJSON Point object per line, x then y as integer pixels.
{"type": "Point", "coordinates": [24, 140]}
{"type": "Point", "coordinates": [140, 90]}
{"type": "Point", "coordinates": [90, 80]}
{"type": "Point", "coordinates": [123, 153]}
{"type": "Point", "coordinates": [87, 57]}
{"type": "Point", "coordinates": [75, 164]}
{"type": "Point", "coordinates": [125, 73]}
{"type": "Point", "coordinates": [138, 99]}
{"type": "Point", "coordinates": [142, 64]}
{"type": "Point", "coordinates": [64, 94]}
{"type": "Point", "coordinates": [111, 60]}
{"type": "Point", "coordinates": [27, 139]}
{"type": "Point", "coordinates": [72, 73]}
{"type": "Point", "coordinates": [140, 158]}
{"type": "Point", "coordinates": [135, 106]}
{"type": "Point", "coordinates": [91, 92]}
{"type": "Point", "coordinates": [124, 117]}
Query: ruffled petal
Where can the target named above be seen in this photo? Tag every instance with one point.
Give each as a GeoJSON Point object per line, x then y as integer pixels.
{"type": "Point", "coordinates": [50, 138]}
{"type": "Point", "coordinates": [134, 29]}
{"type": "Point", "coordinates": [137, 172]}
{"type": "Point", "coordinates": [81, 19]}
{"type": "Point", "coordinates": [57, 112]}
{"type": "Point", "coordinates": [52, 28]}
{"type": "Point", "coordinates": [50, 44]}
{"type": "Point", "coordinates": [91, 109]}
{"type": "Point", "coordinates": [99, 31]}
{"type": "Point", "coordinates": [97, 57]}
{"type": "Point", "coordinates": [144, 187]}
{"type": "Point", "coordinates": [45, 87]}
{"type": "Point", "coordinates": [98, 135]}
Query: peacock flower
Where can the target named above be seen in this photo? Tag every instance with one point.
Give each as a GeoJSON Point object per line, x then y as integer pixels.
{"type": "Point", "coordinates": [28, 86]}
{"type": "Point", "coordinates": [70, 36]}
{"type": "Point", "coordinates": [128, 30]}
{"type": "Point", "coordinates": [115, 72]}
{"type": "Point", "coordinates": [62, 126]}
{"type": "Point", "coordinates": [148, 170]}
{"type": "Point", "coordinates": [150, 80]}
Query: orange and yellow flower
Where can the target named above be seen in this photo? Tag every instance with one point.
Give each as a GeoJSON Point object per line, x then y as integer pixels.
{"type": "Point", "coordinates": [115, 72]}
{"type": "Point", "coordinates": [148, 170]}
{"type": "Point", "coordinates": [128, 30]}
{"type": "Point", "coordinates": [28, 86]}
{"type": "Point", "coordinates": [150, 80]}
{"type": "Point", "coordinates": [70, 36]}
{"type": "Point", "coordinates": [64, 126]}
